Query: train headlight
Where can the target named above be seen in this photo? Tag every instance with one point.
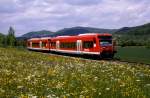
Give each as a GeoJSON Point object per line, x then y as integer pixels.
{"type": "Point", "coordinates": [94, 45]}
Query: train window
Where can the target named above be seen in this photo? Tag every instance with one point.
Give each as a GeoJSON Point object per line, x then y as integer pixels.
{"type": "Point", "coordinates": [68, 45]}
{"type": "Point", "coordinates": [49, 40]}
{"type": "Point", "coordinates": [88, 44]}
{"type": "Point", "coordinates": [105, 40]}
{"type": "Point", "coordinates": [43, 44]}
{"type": "Point", "coordinates": [53, 44]}
{"type": "Point", "coordinates": [35, 44]}
{"type": "Point", "coordinates": [105, 37]}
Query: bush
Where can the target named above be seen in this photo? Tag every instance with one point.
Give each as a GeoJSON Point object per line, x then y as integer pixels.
{"type": "Point", "coordinates": [131, 43]}
{"type": "Point", "coordinates": [148, 45]}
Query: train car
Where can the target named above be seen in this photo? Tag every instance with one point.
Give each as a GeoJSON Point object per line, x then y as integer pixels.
{"type": "Point", "coordinates": [45, 43]}
{"type": "Point", "coordinates": [84, 44]}
{"type": "Point", "coordinates": [90, 43]}
{"type": "Point", "coordinates": [64, 44]}
{"type": "Point", "coordinates": [33, 44]}
{"type": "Point", "coordinates": [39, 44]}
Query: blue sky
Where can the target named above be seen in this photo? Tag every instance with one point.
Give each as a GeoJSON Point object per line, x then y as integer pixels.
{"type": "Point", "coordinates": [34, 15]}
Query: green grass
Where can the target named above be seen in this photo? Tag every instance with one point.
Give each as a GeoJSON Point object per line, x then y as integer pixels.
{"type": "Point", "coordinates": [24, 74]}
{"type": "Point", "coordinates": [134, 54]}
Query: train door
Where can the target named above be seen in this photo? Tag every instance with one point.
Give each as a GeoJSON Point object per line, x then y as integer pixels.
{"type": "Point", "coordinates": [40, 44]}
{"type": "Point", "coordinates": [49, 44]}
{"type": "Point", "coordinates": [57, 45]}
{"type": "Point", "coordinates": [31, 44]}
{"type": "Point", "coordinates": [79, 46]}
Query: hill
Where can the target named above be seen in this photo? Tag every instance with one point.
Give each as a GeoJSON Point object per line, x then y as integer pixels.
{"type": "Point", "coordinates": [65, 31]}
{"type": "Point", "coordinates": [1, 38]}
{"type": "Point", "coordinates": [81, 30]}
{"type": "Point", "coordinates": [1, 34]}
{"type": "Point", "coordinates": [34, 34]}
{"type": "Point", "coordinates": [137, 30]}
{"type": "Point", "coordinates": [138, 35]}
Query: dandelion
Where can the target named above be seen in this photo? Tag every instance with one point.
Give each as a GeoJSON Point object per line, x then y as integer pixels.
{"type": "Point", "coordinates": [67, 94]}
{"type": "Point", "coordinates": [19, 87]}
{"type": "Point", "coordinates": [107, 89]}
{"type": "Point", "coordinates": [59, 85]}
{"type": "Point", "coordinates": [95, 78]}
{"type": "Point", "coordinates": [81, 96]}
{"type": "Point", "coordinates": [99, 93]}
{"type": "Point", "coordinates": [1, 90]}
{"type": "Point", "coordinates": [53, 95]}
{"type": "Point", "coordinates": [49, 96]}
{"type": "Point", "coordinates": [33, 75]}
{"type": "Point", "coordinates": [122, 85]}
{"type": "Point", "coordinates": [138, 80]}
{"type": "Point", "coordinates": [34, 97]}
{"type": "Point", "coordinates": [94, 89]}
{"type": "Point", "coordinates": [28, 78]}
{"type": "Point", "coordinates": [147, 85]}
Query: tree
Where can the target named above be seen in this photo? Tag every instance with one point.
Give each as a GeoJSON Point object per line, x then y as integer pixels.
{"type": "Point", "coordinates": [11, 40]}
{"type": "Point", "coordinates": [148, 44]}
{"type": "Point", "coordinates": [1, 39]}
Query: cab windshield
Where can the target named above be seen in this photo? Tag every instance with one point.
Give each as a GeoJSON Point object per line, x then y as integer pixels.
{"type": "Point", "coordinates": [105, 40]}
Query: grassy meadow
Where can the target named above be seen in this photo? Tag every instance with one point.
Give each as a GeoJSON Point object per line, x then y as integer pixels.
{"type": "Point", "coordinates": [26, 74]}
{"type": "Point", "coordinates": [134, 54]}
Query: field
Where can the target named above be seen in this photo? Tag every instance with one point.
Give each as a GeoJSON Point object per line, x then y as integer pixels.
{"type": "Point", "coordinates": [134, 54]}
{"type": "Point", "coordinates": [25, 74]}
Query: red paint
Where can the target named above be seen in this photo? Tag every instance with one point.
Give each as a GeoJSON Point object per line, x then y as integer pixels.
{"type": "Point", "coordinates": [89, 43]}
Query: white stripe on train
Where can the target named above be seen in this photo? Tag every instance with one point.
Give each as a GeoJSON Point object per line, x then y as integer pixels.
{"type": "Point", "coordinates": [67, 51]}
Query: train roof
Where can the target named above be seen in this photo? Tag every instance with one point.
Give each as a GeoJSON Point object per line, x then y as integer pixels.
{"type": "Point", "coordinates": [67, 36]}
{"type": "Point", "coordinates": [85, 34]}
{"type": "Point", "coordinates": [33, 39]}
{"type": "Point", "coordinates": [39, 38]}
{"type": "Point", "coordinates": [94, 34]}
{"type": "Point", "coordinates": [63, 36]}
{"type": "Point", "coordinates": [45, 38]}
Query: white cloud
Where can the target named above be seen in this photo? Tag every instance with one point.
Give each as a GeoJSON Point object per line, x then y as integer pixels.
{"type": "Point", "coordinates": [83, 2]}
{"type": "Point", "coordinates": [35, 15]}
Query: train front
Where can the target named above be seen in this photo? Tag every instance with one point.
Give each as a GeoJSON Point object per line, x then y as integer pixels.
{"type": "Point", "coordinates": [107, 46]}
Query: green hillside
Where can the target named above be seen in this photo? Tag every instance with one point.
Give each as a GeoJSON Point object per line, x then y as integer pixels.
{"type": "Point", "coordinates": [41, 33]}
{"type": "Point", "coordinates": [138, 30]}
{"type": "Point", "coordinates": [139, 35]}
{"type": "Point", "coordinates": [1, 39]}
{"type": "Point", "coordinates": [81, 30]}
{"type": "Point", "coordinates": [66, 31]}
{"type": "Point", "coordinates": [126, 36]}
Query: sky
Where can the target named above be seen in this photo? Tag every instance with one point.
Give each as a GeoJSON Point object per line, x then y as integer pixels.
{"type": "Point", "coordinates": [34, 15]}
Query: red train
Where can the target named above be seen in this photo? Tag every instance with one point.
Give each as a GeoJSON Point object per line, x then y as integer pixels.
{"type": "Point", "coordinates": [101, 45]}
